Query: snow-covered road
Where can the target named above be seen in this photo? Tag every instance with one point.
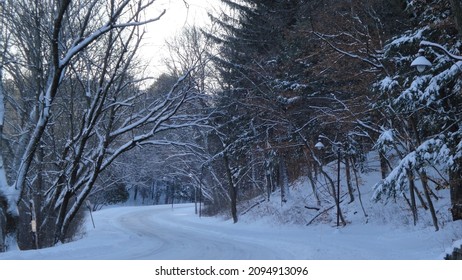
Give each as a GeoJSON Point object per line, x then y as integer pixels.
{"type": "Point", "coordinates": [166, 233]}
{"type": "Point", "coordinates": [160, 232]}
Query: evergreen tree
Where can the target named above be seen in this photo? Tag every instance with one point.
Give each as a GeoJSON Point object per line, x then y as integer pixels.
{"type": "Point", "coordinates": [422, 112]}
{"type": "Point", "coordinates": [287, 78]}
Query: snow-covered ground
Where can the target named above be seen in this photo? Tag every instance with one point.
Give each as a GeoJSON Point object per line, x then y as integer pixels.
{"type": "Point", "coordinates": [268, 231]}
{"type": "Point", "coordinates": [160, 232]}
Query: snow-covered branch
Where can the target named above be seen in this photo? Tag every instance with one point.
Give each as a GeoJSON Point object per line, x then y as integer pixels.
{"type": "Point", "coordinates": [433, 152]}
{"type": "Point", "coordinates": [377, 64]}
{"type": "Point", "coordinates": [424, 43]}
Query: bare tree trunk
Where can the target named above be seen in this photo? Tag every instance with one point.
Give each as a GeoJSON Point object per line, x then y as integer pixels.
{"type": "Point", "coordinates": [7, 218]}
{"type": "Point", "coordinates": [314, 187]}
{"type": "Point", "coordinates": [419, 196]}
{"type": "Point", "coordinates": [455, 183]}
{"type": "Point", "coordinates": [410, 177]}
{"type": "Point", "coordinates": [8, 223]}
{"type": "Point", "coordinates": [3, 179]}
{"type": "Point", "coordinates": [359, 190]}
{"type": "Point", "coordinates": [61, 216]}
{"type": "Point", "coordinates": [312, 173]}
{"type": "Point", "coordinates": [383, 165]}
{"type": "Point", "coordinates": [283, 180]}
{"type": "Point", "coordinates": [269, 181]}
{"type": "Point", "coordinates": [348, 179]}
{"type": "Point", "coordinates": [253, 172]}
{"type": "Point", "coordinates": [34, 224]}
{"type": "Point", "coordinates": [424, 178]}
{"type": "Point", "coordinates": [2, 228]}
{"type": "Point", "coordinates": [334, 194]}
{"type": "Point", "coordinates": [232, 187]}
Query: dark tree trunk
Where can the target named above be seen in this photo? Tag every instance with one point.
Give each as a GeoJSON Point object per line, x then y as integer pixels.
{"type": "Point", "coordinates": [348, 179]}
{"type": "Point", "coordinates": [455, 182]}
{"type": "Point", "coordinates": [62, 214]}
{"type": "Point", "coordinates": [232, 188]}
{"type": "Point", "coordinates": [383, 165]}
{"type": "Point", "coordinates": [283, 180]}
{"type": "Point", "coordinates": [359, 190]}
{"type": "Point", "coordinates": [313, 184]}
{"type": "Point", "coordinates": [8, 225]}
{"type": "Point", "coordinates": [268, 175]}
{"type": "Point", "coordinates": [456, 6]}
{"type": "Point", "coordinates": [135, 195]}
{"type": "Point", "coordinates": [424, 178]}
{"type": "Point", "coordinates": [269, 185]}
{"type": "Point", "coordinates": [2, 227]}
{"type": "Point", "coordinates": [334, 194]}
{"type": "Point", "coordinates": [410, 177]}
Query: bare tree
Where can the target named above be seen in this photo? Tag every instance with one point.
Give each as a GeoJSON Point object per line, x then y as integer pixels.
{"type": "Point", "coordinates": [84, 106]}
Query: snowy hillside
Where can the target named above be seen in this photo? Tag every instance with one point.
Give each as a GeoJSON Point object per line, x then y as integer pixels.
{"type": "Point", "coordinates": [302, 208]}
{"type": "Point", "coordinates": [365, 217]}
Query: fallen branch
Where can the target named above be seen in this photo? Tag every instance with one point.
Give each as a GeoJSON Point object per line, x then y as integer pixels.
{"type": "Point", "coordinates": [313, 208]}
{"type": "Point", "coordinates": [253, 206]}
{"type": "Point", "coordinates": [319, 214]}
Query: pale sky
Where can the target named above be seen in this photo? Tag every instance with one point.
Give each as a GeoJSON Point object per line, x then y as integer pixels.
{"type": "Point", "coordinates": [177, 16]}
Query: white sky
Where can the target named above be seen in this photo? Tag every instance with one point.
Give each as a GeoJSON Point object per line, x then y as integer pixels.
{"type": "Point", "coordinates": [177, 16]}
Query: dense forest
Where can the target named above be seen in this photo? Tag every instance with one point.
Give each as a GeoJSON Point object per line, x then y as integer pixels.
{"type": "Point", "coordinates": [267, 93]}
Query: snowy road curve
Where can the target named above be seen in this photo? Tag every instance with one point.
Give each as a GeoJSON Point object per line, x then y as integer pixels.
{"type": "Point", "coordinates": [160, 232]}
{"type": "Point", "coordinates": [167, 234]}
